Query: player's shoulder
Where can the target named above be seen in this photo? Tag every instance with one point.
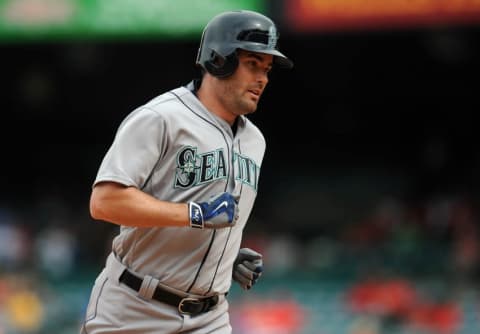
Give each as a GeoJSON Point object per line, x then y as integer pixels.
{"type": "Point", "coordinates": [149, 111]}
{"type": "Point", "coordinates": [159, 102]}
{"type": "Point", "coordinates": [251, 129]}
{"type": "Point", "coordinates": [166, 102]}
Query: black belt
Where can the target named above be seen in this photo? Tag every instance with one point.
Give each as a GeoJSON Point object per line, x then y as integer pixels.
{"type": "Point", "coordinates": [185, 305]}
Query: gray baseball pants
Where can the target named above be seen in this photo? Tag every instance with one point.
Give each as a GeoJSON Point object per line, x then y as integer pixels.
{"type": "Point", "coordinates": [115, 308]}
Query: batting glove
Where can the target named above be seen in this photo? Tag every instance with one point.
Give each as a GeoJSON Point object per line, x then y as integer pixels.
{"type": "Point", "coordinates": [218, 212]}
{"type": "Point", "coordinates": [247, 268]}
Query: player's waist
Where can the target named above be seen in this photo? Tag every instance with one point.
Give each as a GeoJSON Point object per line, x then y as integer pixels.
{"type": "Point", "coordinates": [149, 287]}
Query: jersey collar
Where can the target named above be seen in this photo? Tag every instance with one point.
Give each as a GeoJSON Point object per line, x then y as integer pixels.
{"type": "Point", "coordinates": [193, 87]}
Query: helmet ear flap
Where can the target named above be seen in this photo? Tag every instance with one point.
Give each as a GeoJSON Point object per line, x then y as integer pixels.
{"type": "Point", "coordinates": [220, 66]}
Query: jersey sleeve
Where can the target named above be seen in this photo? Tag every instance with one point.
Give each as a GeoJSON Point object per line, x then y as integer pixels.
{"type": "Point", "coordinates": [135, 150]}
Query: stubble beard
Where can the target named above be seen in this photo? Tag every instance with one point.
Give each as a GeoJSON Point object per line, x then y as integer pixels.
{"type": "Point", "coordinates": [236, 101]}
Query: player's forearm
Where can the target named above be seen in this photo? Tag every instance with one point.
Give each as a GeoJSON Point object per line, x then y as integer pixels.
{"type": "Point", "coordinates": [129, 206]}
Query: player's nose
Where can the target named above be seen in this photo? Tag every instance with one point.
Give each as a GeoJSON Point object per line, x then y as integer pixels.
{"type": "Point", "coordinates": [262, 79]}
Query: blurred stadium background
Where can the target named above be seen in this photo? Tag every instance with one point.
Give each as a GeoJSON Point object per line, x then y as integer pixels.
{"type": "Point", "coordinates": [368, 207]}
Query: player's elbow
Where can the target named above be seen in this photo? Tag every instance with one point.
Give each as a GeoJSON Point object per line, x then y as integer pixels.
{"type": "Point", "coordinates": [96, 207]}
{"type": "Point", "coordinates": [99, 202]}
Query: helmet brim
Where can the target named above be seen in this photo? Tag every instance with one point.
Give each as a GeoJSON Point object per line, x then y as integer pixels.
{"type": "Point", "coordinates": [279, 58]}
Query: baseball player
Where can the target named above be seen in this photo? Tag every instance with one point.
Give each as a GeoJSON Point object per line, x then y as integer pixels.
{"type": "Point", "coordinates": [180, 179]}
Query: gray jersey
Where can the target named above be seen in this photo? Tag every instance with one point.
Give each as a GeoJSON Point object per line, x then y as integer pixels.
{"type": "Point", "coordinates": [175, 150]}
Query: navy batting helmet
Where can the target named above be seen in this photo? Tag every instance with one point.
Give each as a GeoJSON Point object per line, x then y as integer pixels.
{"type": "Point", "coordinates": [233, 30]}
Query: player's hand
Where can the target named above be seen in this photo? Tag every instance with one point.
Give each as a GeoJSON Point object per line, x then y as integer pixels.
{"type": "Point", "coordinates": [247, 268]}
{"type": "Point", "coordinates": [218, 212]}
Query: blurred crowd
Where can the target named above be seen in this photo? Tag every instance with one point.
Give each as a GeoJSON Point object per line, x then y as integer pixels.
{"type": "Point", "coordinates": [401, 264]}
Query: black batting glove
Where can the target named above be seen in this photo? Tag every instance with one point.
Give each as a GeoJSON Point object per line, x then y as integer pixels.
{"type": "Point", "coordinates": [247, 268]}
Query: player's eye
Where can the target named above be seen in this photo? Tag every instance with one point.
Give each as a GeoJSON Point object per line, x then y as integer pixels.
{"type": "Point", "coordinates": [255, 65]}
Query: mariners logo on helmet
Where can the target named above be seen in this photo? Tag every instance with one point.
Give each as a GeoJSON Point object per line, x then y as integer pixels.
{"type": "Point", "coordinates": [272, 37]}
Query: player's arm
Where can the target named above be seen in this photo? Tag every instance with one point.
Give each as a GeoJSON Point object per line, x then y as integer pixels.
{"type": "Point", "coordinates": [129, 206]}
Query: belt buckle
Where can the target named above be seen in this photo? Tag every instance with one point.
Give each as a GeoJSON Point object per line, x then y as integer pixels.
{"type": "Point", "coordinates": [189, 300]}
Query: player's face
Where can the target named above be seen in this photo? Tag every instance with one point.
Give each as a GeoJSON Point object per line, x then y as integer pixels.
{"type": "Point", "coordinates": [241, 91]}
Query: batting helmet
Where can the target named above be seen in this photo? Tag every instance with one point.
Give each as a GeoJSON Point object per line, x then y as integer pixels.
{"type": "Point", "coordinates": [233, 30]}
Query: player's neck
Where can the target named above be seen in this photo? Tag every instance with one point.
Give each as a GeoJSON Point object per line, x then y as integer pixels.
{"type": "Point", "coordinates": [207, 96]}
